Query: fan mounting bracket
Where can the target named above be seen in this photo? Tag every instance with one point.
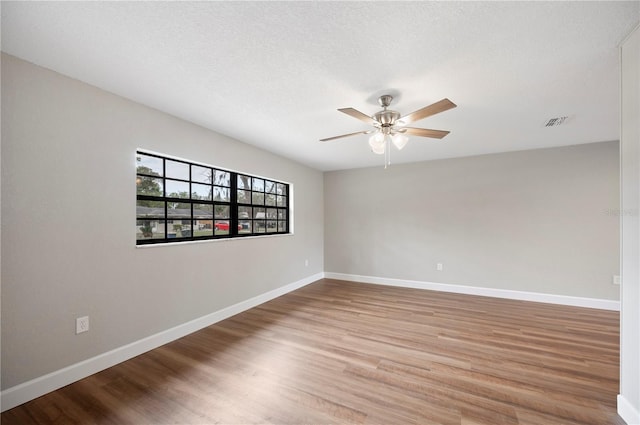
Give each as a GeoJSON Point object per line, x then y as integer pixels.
{"type": "Point", "coordinates": [385, 100]}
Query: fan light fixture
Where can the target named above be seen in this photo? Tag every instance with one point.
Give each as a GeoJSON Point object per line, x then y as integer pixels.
{"type": "Point", "coordinates": [389, 126]}
{"type": "Point", "coordinates": [380, 144]}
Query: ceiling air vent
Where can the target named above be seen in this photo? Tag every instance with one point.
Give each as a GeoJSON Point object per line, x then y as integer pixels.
{"type": "Point", "coordinates": [554, 122]}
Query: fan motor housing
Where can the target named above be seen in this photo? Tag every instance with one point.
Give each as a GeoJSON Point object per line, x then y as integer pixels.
{"type": "Point", "coordinates": [387, 117]}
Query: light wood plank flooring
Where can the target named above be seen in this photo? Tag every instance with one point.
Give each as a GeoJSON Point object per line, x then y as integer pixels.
{"type": "Point", "coordinates": [345, 353]}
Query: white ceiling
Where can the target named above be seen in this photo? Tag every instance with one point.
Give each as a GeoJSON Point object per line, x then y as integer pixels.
{"type": "Point", "coordinates": [272, 74]}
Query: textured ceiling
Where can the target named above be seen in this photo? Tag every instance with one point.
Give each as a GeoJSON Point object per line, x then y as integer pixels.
{"type": "Point", "coordinates": [272, 74]}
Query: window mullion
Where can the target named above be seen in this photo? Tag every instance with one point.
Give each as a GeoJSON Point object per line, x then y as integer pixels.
{"type": "Point", "coordinates": [164, 197]}
{"type": "Point", "coordinates": [233, 204]}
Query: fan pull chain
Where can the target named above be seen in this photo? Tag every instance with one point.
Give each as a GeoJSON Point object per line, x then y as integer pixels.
{"type": "Point", "coordinates": [387, 153]}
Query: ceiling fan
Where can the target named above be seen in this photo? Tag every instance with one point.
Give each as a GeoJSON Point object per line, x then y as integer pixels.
{"type": "Point", "coordinates": [389, 126]}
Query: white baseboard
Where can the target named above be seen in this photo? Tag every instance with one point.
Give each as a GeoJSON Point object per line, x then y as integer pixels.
{"type": "Point", "coordinates": [627, 412]}
{"type": "Point", "coordinates": [30, 390]}
{"type": "Point", "coordinates": [487, 292]}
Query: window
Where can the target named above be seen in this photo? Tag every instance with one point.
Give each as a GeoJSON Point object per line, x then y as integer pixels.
{"type": "Point", "coordinates": [178, 200]}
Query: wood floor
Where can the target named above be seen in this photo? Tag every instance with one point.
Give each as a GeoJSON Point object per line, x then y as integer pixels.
{"type": "Point", "coordinates": [344, 353]}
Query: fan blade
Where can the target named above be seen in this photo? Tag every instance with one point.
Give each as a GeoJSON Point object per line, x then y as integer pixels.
{"type": "Point", "coordinates": [358, 115]}
{"type": "Point", "coordinates": [427, 111]}
{"type": "Point", "coordinates": [346, 135]}
{"type": "Point", "coordinates": [425, 132]}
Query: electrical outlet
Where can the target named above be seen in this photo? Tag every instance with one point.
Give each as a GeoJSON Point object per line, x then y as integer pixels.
{"type": "Point", "coordinates": [616, 279]}
{"type": "Point", "coordinates": [439, 267]}
{"type": "Point", "coordinates": [82, 324]}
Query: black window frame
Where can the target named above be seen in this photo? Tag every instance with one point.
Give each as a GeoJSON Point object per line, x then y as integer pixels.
{"type": "Point", "coordinates": [155, 206]}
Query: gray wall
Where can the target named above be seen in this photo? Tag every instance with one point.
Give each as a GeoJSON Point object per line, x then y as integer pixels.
{"type": "Point", "coordinates": [542, 221]}
{"type": "Point", "coordinates": [630, 179]}
{"type": "Point", "coordinates": [68, 217]}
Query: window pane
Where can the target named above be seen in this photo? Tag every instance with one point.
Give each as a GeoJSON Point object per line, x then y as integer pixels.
{"type": "Point", "coordinates": [200, 191]}
{"type": "Point", "coordinates": [282, 214]}
{"type": "Point", "coordinates": [222, 211]}
{"type": "Point", "coordinates": [222, 178]}
{"type": "Point", "coordinates": [149, 209]}
{"type": "Point", "coordinates": [201, 174]}
{"type": "Point", "coordinates": [259, 213]}
{"type": "Point", "coordinates": [257, 198]}
{"type": "Point", "coordinates": [177, 170]}
{"type": "Point", "coordinates": [179, 229]}
{"type": "Point", "coordinates": [244, 182]}
{"type": "Point", "coordinates": [178, 210]}
{"type": "Point", "coordinates": [222, 227]}
{"type": "Point", "coordinates": [282, 226]}
{"type": "Point", "coordinates": [272, 213]}
{"type": "Point", "coordinates": [281, 189]}
{"type": "Point", "coordinates": [202, 211]}
{"type": "Point", "coordinates": [221, 194]}
{"type": "Point", "coordinates": [244, 226]}
{"type": "Point", "coordinates": [258, 184]}
{"type": "Point", "coordinates": [146, 164]}
{"type": "Point", "coordinates": [281, 201]}
{"type": "Point", "coordinates": [202, 228]}
{"type": "Point", "coordinates": [270, 200]}
{"type": "Point", "coordinates": [269, 186]}
{"type": "Point", "coordinates": [149, 186]}
{"type": "Point", "coordinates": [186, 231]}
{"type": "Point", "coordinates": [149, 229]}
{"type": "Point", "coordinates": [259, 226]}
{"type": "Point", "coordinates": [244, 196]}
{"type": "Point", "coordinates": [176, 189]}
{"type": "Point", "coordinates": [271, 226]}
{"type": "Point", "coordinates": [244, 212]}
